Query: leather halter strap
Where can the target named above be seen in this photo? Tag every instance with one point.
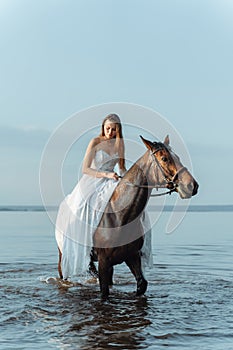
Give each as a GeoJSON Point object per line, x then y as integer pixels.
{"type": "Point", "coordinates": [169, 183]}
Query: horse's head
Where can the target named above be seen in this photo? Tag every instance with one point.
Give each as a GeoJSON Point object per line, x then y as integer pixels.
{"type": "Point", "coordinates": [166, 169]}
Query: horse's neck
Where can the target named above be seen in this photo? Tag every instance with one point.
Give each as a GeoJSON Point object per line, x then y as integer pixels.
{"type": "Point", "coordinates": [138, 173]}
{"type": "Point", "coordinates": [129, 194]}
{"type": "Point", "coordinates": [135, 176]}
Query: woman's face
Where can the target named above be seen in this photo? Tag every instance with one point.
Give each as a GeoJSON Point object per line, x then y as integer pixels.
{"type": "Point", "coordinates": [109, 130]}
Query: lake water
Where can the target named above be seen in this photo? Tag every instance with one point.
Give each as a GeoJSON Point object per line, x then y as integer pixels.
{"type": "Point", "coordinates": [188, 304]}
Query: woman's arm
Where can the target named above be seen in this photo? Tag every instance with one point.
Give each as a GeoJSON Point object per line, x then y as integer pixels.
{"type": "Point", "coordinates": [89, 156]}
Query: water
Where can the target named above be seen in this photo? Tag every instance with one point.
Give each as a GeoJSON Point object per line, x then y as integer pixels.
{"type": "Point", "coordinates": [188, 304]}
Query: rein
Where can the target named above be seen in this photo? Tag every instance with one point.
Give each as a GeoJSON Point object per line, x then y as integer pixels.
{"type": "Point", "coordinates": [157, 187]}
{"type": "Point", "coordinates": [170, 184]}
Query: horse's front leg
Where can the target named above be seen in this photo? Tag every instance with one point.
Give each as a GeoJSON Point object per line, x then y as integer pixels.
{"type": "Point", "coordinates": [134, 263]}
{"type": "Point", "coordinates": [104, 277]}
{"type": "Point", "coordinates": [110, 279]}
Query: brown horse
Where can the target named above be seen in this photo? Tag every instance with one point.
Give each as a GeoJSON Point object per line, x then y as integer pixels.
{"type": "Point", "coordinates": [119, 236]}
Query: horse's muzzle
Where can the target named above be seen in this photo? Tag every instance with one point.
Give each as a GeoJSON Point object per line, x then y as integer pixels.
{"type": "Point", "coordinates": [195, 188]}
{"type": "Point", "coordinates": [188, 190]}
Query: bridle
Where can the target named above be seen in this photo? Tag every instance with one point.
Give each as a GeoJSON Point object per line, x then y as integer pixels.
{"type": "Point", "coordinates": [170, 183]}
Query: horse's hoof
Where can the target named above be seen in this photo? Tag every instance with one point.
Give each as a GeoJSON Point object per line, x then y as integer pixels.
{"type": "Point", "coordinates": [105, 298]}
{"type": "Point", "coordinates": [104, 294]}
{"type": "Point", "coordinates": [142, 287]}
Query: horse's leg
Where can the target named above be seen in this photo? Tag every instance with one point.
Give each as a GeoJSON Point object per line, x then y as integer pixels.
{"type": "Point", "coordinates": [104, 274]}
{"type": "Point", "coordinates": [134, 263]}
{"type": "Point", "coordinates": [59, 264]}
{"type": "Point", "coordinates": [110, 280]}
{"type": "Point", "coordinates": [92, 268]}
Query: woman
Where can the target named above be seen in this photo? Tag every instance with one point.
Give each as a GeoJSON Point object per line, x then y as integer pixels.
{"type": "Point", "coordinates": [80, 212]}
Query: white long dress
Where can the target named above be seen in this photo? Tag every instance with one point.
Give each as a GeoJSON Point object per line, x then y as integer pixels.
{"type": "Point", "coordinates": [80, 213]}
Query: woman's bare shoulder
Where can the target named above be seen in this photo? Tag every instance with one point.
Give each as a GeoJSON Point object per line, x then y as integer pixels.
{"type": "Point", "coordinates": [95, 141]}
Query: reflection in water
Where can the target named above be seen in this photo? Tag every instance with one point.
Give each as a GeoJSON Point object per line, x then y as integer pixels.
{"type": "Point", "coordinates": [106, 325]}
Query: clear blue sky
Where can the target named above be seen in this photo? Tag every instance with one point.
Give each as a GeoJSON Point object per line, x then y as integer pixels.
{"type": "Point", "coordinates": [61, 56]}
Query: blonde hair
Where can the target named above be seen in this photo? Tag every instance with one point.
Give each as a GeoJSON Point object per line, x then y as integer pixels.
{"type": "Point", "coordinates": [119, 144]}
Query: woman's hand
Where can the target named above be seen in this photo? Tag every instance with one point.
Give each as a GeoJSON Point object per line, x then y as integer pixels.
{"type": "Point", "coordinates": [113, 176]}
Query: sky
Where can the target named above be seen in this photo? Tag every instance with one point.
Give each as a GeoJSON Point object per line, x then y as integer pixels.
{"type": "Point", "coordinates": [59, 57]}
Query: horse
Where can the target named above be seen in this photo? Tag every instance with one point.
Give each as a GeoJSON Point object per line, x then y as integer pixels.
{"type": "Point", "coordinates": [119, 236]}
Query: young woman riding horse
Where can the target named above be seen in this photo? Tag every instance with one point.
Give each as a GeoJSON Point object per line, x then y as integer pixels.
{"type": "Point", "coordinates": [107, 214]}
{"type": "Point", "coordinates": [81, 211]}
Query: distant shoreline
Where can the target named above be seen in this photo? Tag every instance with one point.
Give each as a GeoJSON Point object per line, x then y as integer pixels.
{"type": "Point", "coordinates": [166, 208]}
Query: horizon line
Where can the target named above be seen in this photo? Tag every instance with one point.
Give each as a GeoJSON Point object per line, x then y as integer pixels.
{"type": "Point", "coordinates": [166, 208]}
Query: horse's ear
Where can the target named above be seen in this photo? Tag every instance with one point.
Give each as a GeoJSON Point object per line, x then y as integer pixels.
{"type": "Point", "coordinates": [148, 143]}
{"type": "Point", "coordinates": [166, 141]}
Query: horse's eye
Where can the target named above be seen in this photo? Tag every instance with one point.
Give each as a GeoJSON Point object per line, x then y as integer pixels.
{"type": "Point", "coordinates": [164, 159]}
